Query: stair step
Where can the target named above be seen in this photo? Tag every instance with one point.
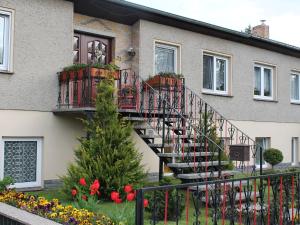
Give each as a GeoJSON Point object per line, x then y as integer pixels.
{"type": "Point", "coordinates": [171, 137]}
{"type": "Point", "coordinates": [237, 197]}
{"type": "Point", "coordinates": [200, 188]}
{"type": "Point", "coordinates": [191, 154]}
{"type": "Point", "coordinates": [195, 176]}
{"type": "Point", "coordinates": [192, 164]}
{"type": "Point", "coordinates": [190, 145]}
{"type": "Point", "coordinates": [134, 118]}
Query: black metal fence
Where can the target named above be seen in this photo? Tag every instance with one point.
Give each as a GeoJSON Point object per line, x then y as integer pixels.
{"type": "Point", "coordinates": [8, 221]}
{"type": "Point", "coordinates": [267, 199]}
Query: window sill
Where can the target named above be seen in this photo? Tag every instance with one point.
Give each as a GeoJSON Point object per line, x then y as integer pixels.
{"type": "Point", "coordinates": [216, 93]}
{"type": "Point", "coordinates": [295, 102]}
{"type": "Point", "coordinates": [264, 100]}
{"type": "Point", "coordinates": [6, 72]}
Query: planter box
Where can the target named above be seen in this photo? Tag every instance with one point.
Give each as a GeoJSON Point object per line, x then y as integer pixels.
{"type": "Point", "coordinates": [160, 81]}
{"type": "Point", "coordinates": [104, 73]}
{"type": "Point", "coordinates": [239, 152]}
{"type": "Point", "coordinates": [21, 217]}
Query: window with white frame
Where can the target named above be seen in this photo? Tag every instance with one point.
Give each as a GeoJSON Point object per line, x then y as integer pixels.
{"type": "Point", "coordinates": [295, 87]}
{"type": "Point", "coordinates": [165, 58]}
{"type": "Point", "coordinates": [5, 36]}
{"type": "Point", "coordinates": [215, 73]}
{"type": "Point", "coordinates": [265, 143]}
{"type": "Point", "coordinates": [263, 82]}
{"type": "Point", "coordinates": [21, 160]}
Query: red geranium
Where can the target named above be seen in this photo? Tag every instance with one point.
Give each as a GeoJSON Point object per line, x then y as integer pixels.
{"type": "Point", "coordinates": [82, 182]}
{"type": "Point", "coordinates": [94, 187]}
{"type": "Point", "coordinates": [146, 203]}
{"type": "Point", "coordinates": [114, 195]}
{"type": "Point", "coordinates": [74, 192]}
{"type": "Point", "coordinates": [130, 197]}
{"type": "Point", "coordinates": [84, 197]}
{"type": "Point", "coordinates": [128, 188]}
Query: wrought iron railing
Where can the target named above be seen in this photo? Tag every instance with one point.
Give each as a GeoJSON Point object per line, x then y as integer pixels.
{"type": "Point", "coordinates": [261, 200]}
{"type": "Point", "coordinates": [197, 117]}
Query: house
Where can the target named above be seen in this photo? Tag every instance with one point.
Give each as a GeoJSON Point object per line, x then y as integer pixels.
{"type": "Point", "coordinates": [252, 81]}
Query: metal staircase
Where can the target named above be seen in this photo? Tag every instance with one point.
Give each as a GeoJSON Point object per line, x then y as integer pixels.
{"type": "Point", "coordinates": [188, 135]}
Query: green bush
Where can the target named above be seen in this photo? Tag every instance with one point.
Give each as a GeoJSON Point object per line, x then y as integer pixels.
{"type": "Point", "coordinates": [273, 156]}
{"type": "Point", "coordinates": [159, 201]}
{"type": "Point", "coordinates": [5, 182]}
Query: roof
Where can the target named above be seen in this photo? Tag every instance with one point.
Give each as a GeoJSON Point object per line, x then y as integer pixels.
{"type": "Point", "coordinates": [128, 13]}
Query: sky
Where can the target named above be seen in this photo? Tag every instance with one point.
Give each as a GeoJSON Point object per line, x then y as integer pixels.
{"type": "Point", "coordinates": [283, 16]}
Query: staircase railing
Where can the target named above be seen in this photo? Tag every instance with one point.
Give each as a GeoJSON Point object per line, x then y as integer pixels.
{"type": "Point", "coordinates": [164, 111]}
{"type": "Point", "coordinates": [178, 105]}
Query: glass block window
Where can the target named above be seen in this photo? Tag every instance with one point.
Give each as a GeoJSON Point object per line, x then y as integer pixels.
{"type": "Point", "coordinates": [215, 73]}
{"type": "Point", "coordinates": [165, 58]}
{"type": "Point", "coordinates": [20, 160]}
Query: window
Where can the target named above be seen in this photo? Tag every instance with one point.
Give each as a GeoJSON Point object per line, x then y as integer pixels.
{"type": "Point", "coordinates": [5, 31]}
{"type": "Point", "coordinates": [165, 58]}
{"type": "Point", "coordinates": [265, 143]}
{"type": "Point", "coordinates": [215, 73]}
{"type": "Point", "coordinates": [295, 90]}
{"type": "Point", "coordinates": [21, 160]}
{"type": "Point", "coordinates": [294, 153]}
{"type": "Point", "coordinates": [263, 82]}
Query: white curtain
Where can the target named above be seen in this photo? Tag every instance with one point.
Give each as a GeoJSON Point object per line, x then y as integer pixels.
{"type": "Point", "coordinates": [164, 60]}
{"type": "Point", "coordinates": [295, 87]}
{"type": "Point", "coordinates": [267, 82]}
{"type": "Point", "coordinates": [257, 87]}
{"type": "Point", "coordinates": [221, 75]}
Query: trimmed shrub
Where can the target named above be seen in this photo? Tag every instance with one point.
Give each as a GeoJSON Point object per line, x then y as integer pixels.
{"type": "Point", "coordinates": [273, 156]}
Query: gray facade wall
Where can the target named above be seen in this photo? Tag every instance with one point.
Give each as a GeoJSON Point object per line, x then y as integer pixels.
{"type": "Point", "coordinates": [241, 105]}
{"type": "Point", "coordinates": [42, 46]}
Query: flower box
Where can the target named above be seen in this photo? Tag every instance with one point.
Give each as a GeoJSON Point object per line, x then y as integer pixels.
{"type": "Point", "coordinates": [104, 73]}
{"type": "Point", "coordinates": [163, 81]}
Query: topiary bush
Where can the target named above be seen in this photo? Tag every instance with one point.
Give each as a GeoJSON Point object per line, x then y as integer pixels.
{"type": "Point", "coordinates": [159, 201]}
{"type": "Point", "coordinates": [273, 156]}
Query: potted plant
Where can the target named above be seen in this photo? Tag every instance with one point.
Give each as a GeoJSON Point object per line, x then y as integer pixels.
{"type": "Point", "coordinates": [164, 79]}
{"type": "Point", "coordinates": [72, 70]}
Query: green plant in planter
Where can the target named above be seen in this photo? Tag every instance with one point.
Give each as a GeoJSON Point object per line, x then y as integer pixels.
{"type": "Point", "coordinates": [273, 156]}
{"type": "Point", "coordinates": [159, 201]}
{"type": "Point", "coordinates": [5, 183]}
{"type": "Point", "coordinates": [75, 67]}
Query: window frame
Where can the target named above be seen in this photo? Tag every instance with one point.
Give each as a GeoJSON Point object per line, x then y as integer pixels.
{"type": "Point", "coordinates": [268, 145]}
{"type": "Point", "coordinates": [38, 182]}
{"type": "Point", "coordinates": [166, 46]}
{"type": "Point", "coordinates": [214, 90]}
{"type": "Point", "coordinates": [8, 31]}
{"type": "Point", "coordinates": [262, 84]}
{"type": "Point", "coordinates": [291, 98]}
{"type": "Point", "coordinates": [294, 151]}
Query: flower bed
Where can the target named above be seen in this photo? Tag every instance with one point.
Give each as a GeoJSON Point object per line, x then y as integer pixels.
{"type": "Point", "coordinates": [53, 209]}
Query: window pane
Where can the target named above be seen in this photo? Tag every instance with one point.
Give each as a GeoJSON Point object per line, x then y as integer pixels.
{"type": "Point", "coordinates": [295, 87]}
{"type": "Point", "coordinates": [208, 72]}
{"type": "Point", "coordinates": [257, 81]}
{"type": "Point", "coordinates": [265, 144]}
{"type": "Point", "coordinates": [20, 160]}
{"type": "Point", "coordinates": [221, 75]}
{"type": "Point", "coordinates": [164, 60]}
{"type": "Point", "coordinates": [267, 82]}
{"type": "Point", "coordinates": [2, 39]}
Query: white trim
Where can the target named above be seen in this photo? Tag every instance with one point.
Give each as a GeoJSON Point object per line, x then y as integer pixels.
{"type": "Point", "coordinates": [8, 34]}
{"type": "Point", "coordinates": [168, 45]}
{"type": "Point", "coordinates": [294, 151]}
{"type": "Point", "coordinates": [262, 83]}
{"type": "Point", "coordinates": [38, 182]}
{"type": "Point", "coordinates": [214, 90]}
{"type": "Point", "coordinates": [291, 97]}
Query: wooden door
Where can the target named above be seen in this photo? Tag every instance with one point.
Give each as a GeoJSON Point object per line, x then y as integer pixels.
{"type": "Point", "coordinates": [91, 49]}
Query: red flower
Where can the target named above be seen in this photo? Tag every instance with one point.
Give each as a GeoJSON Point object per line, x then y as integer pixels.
{"type": "Point", "coordinates": [130, 197]}
{"type": "Point", "coordinates": [118, 201]}
{"type": "Point", "coordinates": [74, 192]}
{"type": "Point", "coordinates": [82, 182]}
{"type": "Point", "coordinates": [96, 184]}
{"type": "Point", "coordinates": [128, 188]}
{"type": "Point", "coordinates": [84, 197]}
{"type": "Point", "coordinates": [146, 203]}
{"type": "Point", "coordinates": [93, 192]}
{"type": "Point", "coordinates": [114, 195]}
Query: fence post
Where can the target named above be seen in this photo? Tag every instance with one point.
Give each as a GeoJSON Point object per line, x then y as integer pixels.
{"type": "Point", "coordinates": [163, 141]}
{"type": "Point", "coordinates": [139, 207]}
{"type": "Point", "coordinates": [261, 160]}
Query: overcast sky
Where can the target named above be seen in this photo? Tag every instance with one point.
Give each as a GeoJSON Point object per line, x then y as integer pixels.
{"type": "Point", "coordinates": [283, 16]}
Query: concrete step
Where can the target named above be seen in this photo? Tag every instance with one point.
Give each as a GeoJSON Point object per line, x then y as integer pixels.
{"type": "Point", "coordinates": [214, 174]}
{"type": "Point", "coordinates": [197, 164]}
{"type": "Point", "coordinates": [235, 184]}
{"type": "Point", "coordinates": [237, 197]}
{"type": "Point", "coordinates": [186, 145]}
{"type": "Point", "coordinates": [191, 154]}
{"type": "Point", "coordinates": [137, 119]}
